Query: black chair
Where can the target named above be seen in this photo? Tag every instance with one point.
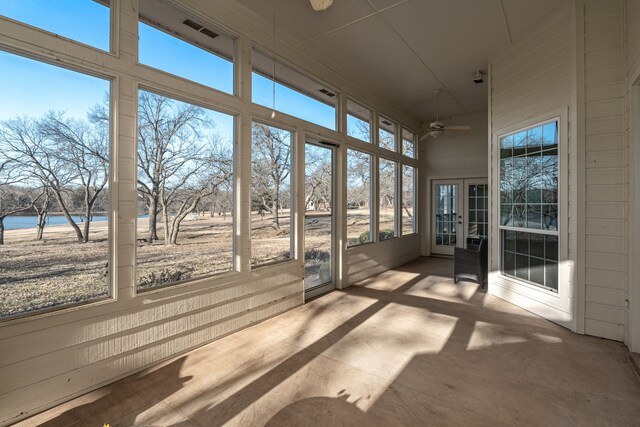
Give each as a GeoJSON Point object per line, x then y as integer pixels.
{"type": "Point", "coordinates": [471, 263]}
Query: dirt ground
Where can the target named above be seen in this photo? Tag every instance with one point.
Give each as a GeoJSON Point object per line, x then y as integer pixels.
{"type": "Point", "coordinates": [58, 270]}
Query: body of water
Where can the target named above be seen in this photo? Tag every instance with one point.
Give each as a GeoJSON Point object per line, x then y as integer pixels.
{"type": "Point", "coordinates": [16, 222]}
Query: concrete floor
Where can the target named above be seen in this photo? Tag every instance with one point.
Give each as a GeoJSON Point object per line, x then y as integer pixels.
{"type": "Point", "coordinates": [405, 348]}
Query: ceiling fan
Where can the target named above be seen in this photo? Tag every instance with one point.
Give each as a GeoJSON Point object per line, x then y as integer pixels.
{"type": "Point", "coordinates": [437, 128]}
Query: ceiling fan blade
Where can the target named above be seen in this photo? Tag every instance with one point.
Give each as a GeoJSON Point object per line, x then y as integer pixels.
{"type": "Point", "coordinates": [424, 136]}
{"type": "Point", "coordinates": [457, 127]}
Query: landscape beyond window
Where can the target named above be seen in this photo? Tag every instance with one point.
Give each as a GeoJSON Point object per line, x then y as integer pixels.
{"type": "Point", "coordinates": [54, 186]}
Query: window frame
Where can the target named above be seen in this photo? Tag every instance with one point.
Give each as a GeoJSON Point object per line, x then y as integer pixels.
{"type": "Point", "coordinates": [414, 227]}
{"type": "Point", "coordinates": [371, 119]}
{"type": "Point", "coordinates": [538, 299]}
{"type": "Point", "coordinates": [380, 118]}
{"type": "Point", "coordinates": [224, 275]}
{"type": "Point", "coordinates": [113, 30]}
{"type": "Point", "coordinates": [371, 197]}
{"type": "Point", "coordinates": [293, 177]}
{"type": "Point", "coordinates": [397, 232]}
{"type": "Point", "coordinates": [525, 229]}
{"type": "Point", "coordinates": [295, 69]}
{"type": "Point", "coordinates": [414, 141]}
{"type": "Point", "coordinates": [112, 243]}
{"type": "Point", "coordinates": [236, 74]}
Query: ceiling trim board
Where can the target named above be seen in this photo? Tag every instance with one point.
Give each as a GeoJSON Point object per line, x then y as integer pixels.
{"type": "Point", "coordinates": [506, 22]}
{"type": "Point", "coordinates": [348, 24]}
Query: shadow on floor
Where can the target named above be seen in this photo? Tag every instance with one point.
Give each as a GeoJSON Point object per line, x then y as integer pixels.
{"type": "Point", "coordinates": [484, 362]}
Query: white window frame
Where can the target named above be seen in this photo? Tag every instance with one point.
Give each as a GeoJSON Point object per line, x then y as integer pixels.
{"type": "Point", "coordinates": [556, 306]}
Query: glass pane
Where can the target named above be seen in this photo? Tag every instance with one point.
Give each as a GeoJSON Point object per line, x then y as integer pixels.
{"type": "Point", "coordinates": [270, 194]}
{"type": "Point", "coordinates": [408, 200]}
{"type": "Point", "coordinates": [358, 121]}
{"type": "Point", "coordinates": [446, 214]}
{"type": "Point", "coordinates": [529, 178]}
{"type": "Point", "coordinates": [295, 93]}
{"type": "Point", "coordinates": [203, 55]}
{"type": "Point", "coordinates": [531, 257]}
{"type": "Point", "coordinates": [387, 193]}
{"type": "Point", "coordinates": [358, 198]}
{"type": "Point", "coordinates": [185, 191]}
{"type": "Point", "coordinates": [318, 231]}
{"type": "Point", "coordinates": [85, 21]}
{"type": "Point", "coordinates": [54, 186]}
{"type": "Point", "coordinates": [386, 134]}
{"type": "Point", "coordinates": [408, 143]}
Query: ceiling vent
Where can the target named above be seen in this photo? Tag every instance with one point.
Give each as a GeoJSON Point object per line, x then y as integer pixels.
{"type": "Point", "coordinates": [200, 28]}
{"type": "Point", "coordinates": [326, 92]}
{"type": "Point", "coordinates": [209, 33]}
{"type": "Point", "coordinates": [194, 25]}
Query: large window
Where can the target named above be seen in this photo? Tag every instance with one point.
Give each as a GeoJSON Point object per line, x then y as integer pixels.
{"type": "Point", "coordinates": [408, 200]}
{"type": "Point", "coordinates": [529, 204]}
{"type": "Point", "coordinates": [172, 42]}
{"type": "Point", "coordinates": [358, 198]}
{"type": "Point", "coordinates": [358, 121]}
{"type": "Point", "coordinates": [185, 191]}
{"type": "Point", "coordinates": [295, 93]}
{"type": "Point", "coordinates": [86, 21]}
{"type": "Point", "coordinates": [386, 134]}
{"type": "Point", "coordinates": [271, 197]}
{"type": "Point", "coordinates": [387, 213]}
{"type": "Point", "coordinates": [54, 192]}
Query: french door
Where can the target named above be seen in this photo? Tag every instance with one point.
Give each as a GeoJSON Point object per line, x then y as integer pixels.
{"type": "Point", "coordinates": [459, 210]}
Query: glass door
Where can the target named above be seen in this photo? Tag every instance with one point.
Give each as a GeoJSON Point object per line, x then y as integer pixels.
{"type": "Point", "coordinates": [460, 210]}
{"type": "Point", "coordinates": [446, 216]}
{"type": "Point", "coordinates": [318, 219]}
{"type": "Point", "coordinates": [476, 208]}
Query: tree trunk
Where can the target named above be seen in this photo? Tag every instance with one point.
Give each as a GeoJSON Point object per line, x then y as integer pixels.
{"type": "Point", "coordinates": [2, 230]}
{"type": "Point", "coordinates": [276, 213]}
{"type": "Point", "coordinates": [165, 216]}
{"type": "Point", "coordinates": [153, 219]}
{"type": "Point", "coordinates": [67, 215]}
{"type": "Point", "coordinates": [42, 217]}
{"type": "Point", "coordinates": [42, 221]}
{"type": "Point", "coordinates": [87, 223]}
{"type": "Point", "coordinates": [182, 214]}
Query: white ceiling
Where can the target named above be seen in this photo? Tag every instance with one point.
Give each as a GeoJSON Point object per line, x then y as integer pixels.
{"type": "Point", "coordinates": [405, 49]}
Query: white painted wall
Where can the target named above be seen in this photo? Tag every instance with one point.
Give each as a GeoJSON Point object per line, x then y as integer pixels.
{"type": "Point", "coordinates": [463, 155]}
{"type": "Point", "coordinates": [576, 60]}
{"type": "Point", "coordinates": [531, 82]}
{"type": "Point", "coordinates": [606, 213]}
{"type": "Point", "coordinates": [632, 131]}
{"type": "Point", "coordinates": [49, 358]}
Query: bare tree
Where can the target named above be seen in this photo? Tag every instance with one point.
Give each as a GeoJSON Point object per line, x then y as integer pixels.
{"type": "Point", "coordinates": [84, 152]}
{"type": "Point", "coordinates": [317, 180]}
{"type": "Point", "coordinates": [168, 132]}
{"type": "Point", "coordinates": [270, 168]}
{"type": "Point", "coordinates": [202, 177]}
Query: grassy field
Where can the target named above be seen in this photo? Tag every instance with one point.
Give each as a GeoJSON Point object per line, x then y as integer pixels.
{"type": "Point", "coordinates": [58, 271]}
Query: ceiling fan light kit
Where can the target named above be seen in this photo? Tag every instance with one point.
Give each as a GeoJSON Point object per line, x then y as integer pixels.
{"type": "Point", "coordinates": [320, 4]}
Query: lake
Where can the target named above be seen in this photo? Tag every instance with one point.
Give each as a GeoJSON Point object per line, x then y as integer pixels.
{"type": "Point", "coordinates": [16, 222]}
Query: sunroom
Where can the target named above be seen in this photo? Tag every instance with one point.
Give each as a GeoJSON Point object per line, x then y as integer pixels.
{"type": "Point", "coordinates": [249, 212]}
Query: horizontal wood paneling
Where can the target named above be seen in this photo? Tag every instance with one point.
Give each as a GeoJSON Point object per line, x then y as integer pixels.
{"type": "Point", "coordinates": [606, 163]}
{"type": "Point", "coordinates": [368, 260]}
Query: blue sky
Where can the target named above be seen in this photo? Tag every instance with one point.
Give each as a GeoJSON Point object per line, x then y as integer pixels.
{"type": "Point", "coordinates": [32, 88]}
